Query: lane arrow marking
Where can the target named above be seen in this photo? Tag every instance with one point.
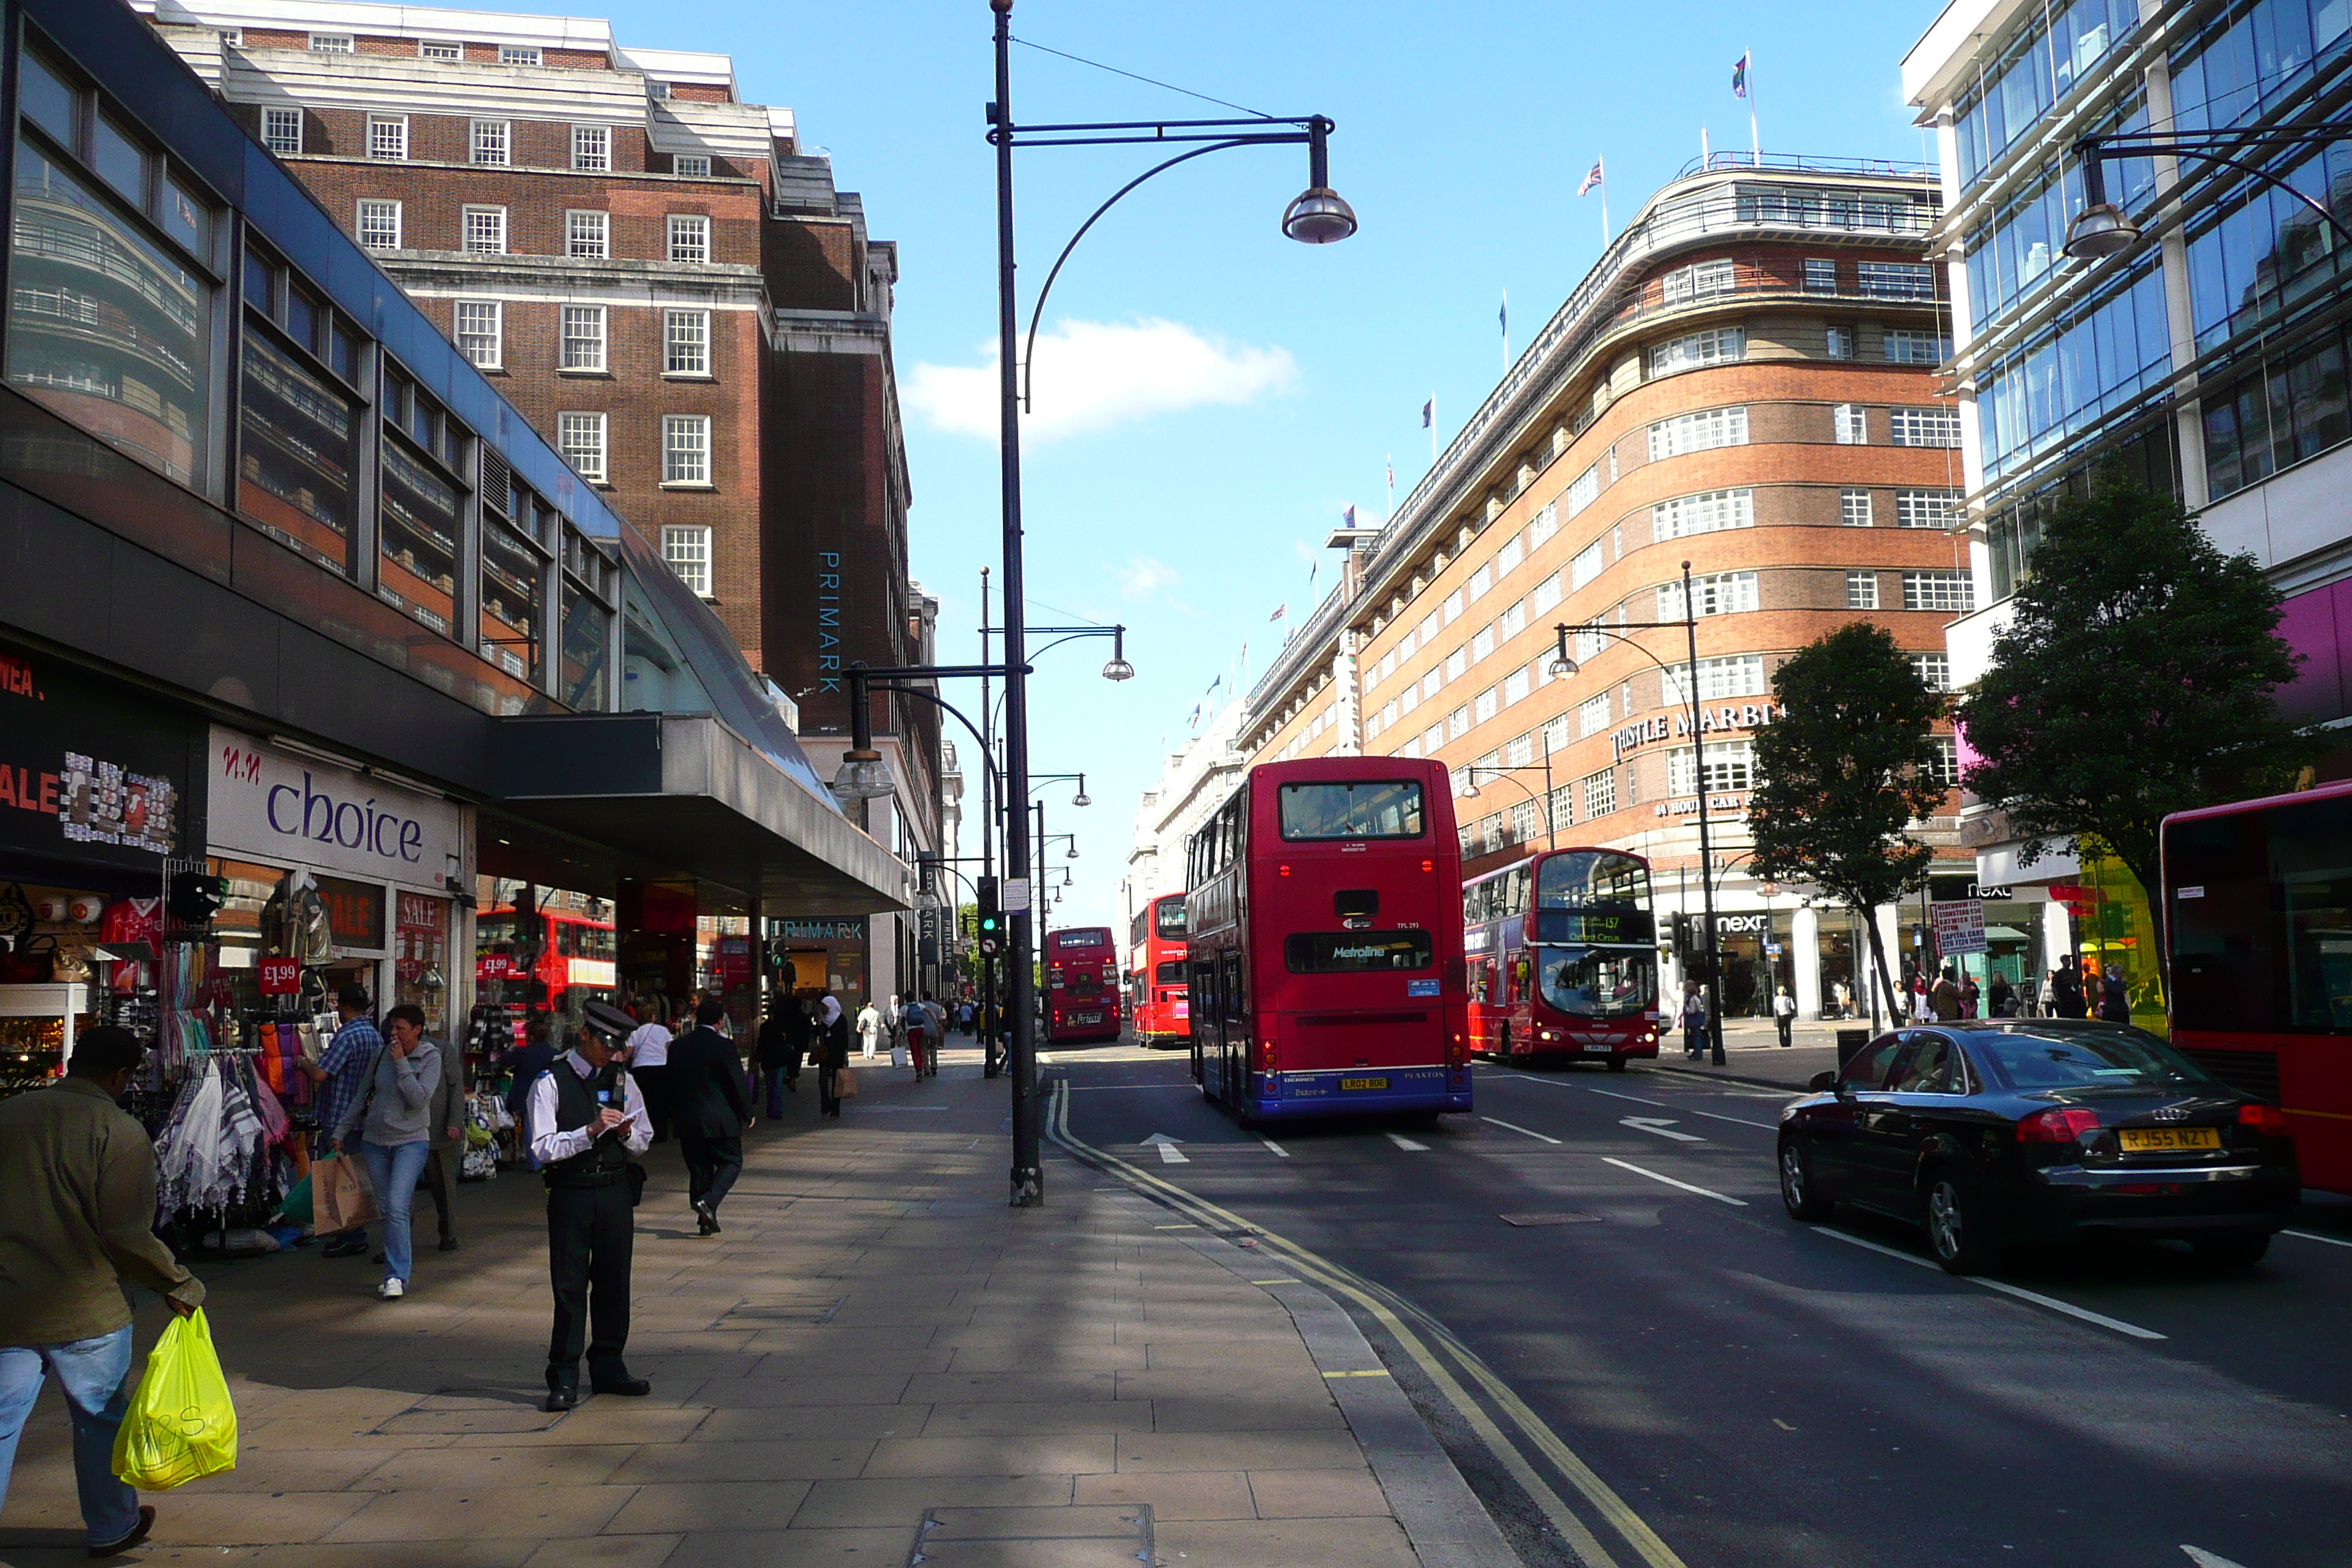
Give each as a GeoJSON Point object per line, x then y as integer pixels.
{"type": "Point", "coordinates": [1663, 1126]}
{"type": "Point", "coordinates": [2204, 1559]}
{"type": "Point", "coordinates": [1170, 1154]}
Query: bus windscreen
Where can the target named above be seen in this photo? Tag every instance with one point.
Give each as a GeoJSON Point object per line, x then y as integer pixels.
{"type": "Point", "coordinates": [1169, 918]}
{"type": "Point", "coordinates": [1593, 876]}
{"type": "Point", "coordinates": [1383, 809]}
{"type": "Point", "coordinates": [1353, 952]}
{"type": "Point", "coordinates": [1594, 982]}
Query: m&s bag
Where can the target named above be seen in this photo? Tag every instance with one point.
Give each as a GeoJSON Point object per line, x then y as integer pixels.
{"type": "Point", "coordinates": [181, 1424]}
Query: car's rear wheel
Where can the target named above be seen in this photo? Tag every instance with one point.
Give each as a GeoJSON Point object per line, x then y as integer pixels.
{"type": "Point", "coordinates": [2231, 1249]}
{"type": "Point", "coordinates": [1796, 1191]}
{"type": "Point", "coordinates": [1954, 1221]}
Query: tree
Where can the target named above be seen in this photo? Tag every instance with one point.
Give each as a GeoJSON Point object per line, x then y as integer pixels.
{"type": "Point", "coordinates": [1843, 772]}
{"type": "Point", "coordinates": [2136, 678]}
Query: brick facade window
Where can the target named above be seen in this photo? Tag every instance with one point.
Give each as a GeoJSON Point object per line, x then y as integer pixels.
{"type": "Point", "coordinates": [1938, 591]}
{"type": "Point", "coordinates": [688, 551]}
{"type": "Point", "coordinates": [1896, 279]}
{"type": "Point", "coordinates": [583, 338]}
{"type": "Point", "coordinates": [448, 51]}
{"type": "Point", "coordinates": [493, 141]}
{"type": "Point", "coordinates": [1718, 345]}
{"type": "Point", "coordinates": [1926, 427]}
{"type": "Point", "coordinates": [1853, 508]}
{"type": "Point", "coordinates": [1934, 671]}
{"type": "Point", "coordinates": [588, 234]}
{"type": "Point", "coordinates": [685, 342]}
{"type": "Point", "coordinates": [592, 147]}
{"type": "Point", "coordinates": [689, 238]}
{"type": "Point", "coordinates": [1862, 590]}
{"type": "Point", "coordinates": [479, 337]}
{"type": "Point", "coordinates": [1840, 342]}
{"type": "Point", "coordinates": [281, 130]}
{"type": "Point", "coordinates": [1710, 511]}
{"type": "Point", "coordinates": [1853, 424]}
{"type": "Point", "coordinates": [518, 55]}
{"type": "Point", "coordinates": [485, 232]}
{"type": "Point", "coordinates": [331, 44]}
{"type": "Point", "coordinates": [1926, 509]}
{"type": "Point", "coordinates": [581, 438]}
{"type": "Point", "coordinates": [1918, 347]}
{"type": "Point", "coordinates": [388, 136]}
{"type": "Point", "coordinates": [1721, 594]}
{"type": "Point", "coordinates": [692, 166]}
{"type": "Point", "coordinates": [379, 225]}
{"type": "Point", "coordinates": [1600, 793]}
{"type": "Point", "coordinates": [686, 449]}
{"type": "Point", "coordinates": [1820, 274]}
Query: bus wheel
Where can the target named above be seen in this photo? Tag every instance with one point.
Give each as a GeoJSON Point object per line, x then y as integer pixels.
{"type": "Point", "coordinates": [1618, 1064]}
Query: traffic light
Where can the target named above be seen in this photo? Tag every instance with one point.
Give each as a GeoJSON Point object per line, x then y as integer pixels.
{"type": "Point", "coordinates": [992, 921]}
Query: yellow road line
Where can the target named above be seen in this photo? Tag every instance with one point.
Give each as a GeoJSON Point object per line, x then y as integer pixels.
{"type": "Point", "coordinates": [1628, 1524]}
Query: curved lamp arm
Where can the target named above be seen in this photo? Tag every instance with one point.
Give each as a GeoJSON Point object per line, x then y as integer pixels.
{"type": "Point", "coordinates": [936, 701]}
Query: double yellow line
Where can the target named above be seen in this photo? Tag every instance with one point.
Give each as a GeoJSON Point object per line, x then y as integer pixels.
{"type": "Point", "coordinates": [1531, 1428]}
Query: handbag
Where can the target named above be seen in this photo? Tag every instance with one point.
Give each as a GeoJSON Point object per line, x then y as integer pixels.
{"type": "Point", "coordinates": [898, 1056]}
{"type": "Point", "coordinates": [340, 1198]}
{"type": "Point", "coordinates": [845, 1082]}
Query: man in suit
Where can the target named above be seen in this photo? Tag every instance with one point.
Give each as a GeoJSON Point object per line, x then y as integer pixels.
{"type": "Point", "coordinates": [709, 1111]}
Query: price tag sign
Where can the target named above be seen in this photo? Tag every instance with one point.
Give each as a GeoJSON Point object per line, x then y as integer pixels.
{"type": "Point", "coordinates": [493, 966]}
{"type": "Point", "coordinates": [280, 976]}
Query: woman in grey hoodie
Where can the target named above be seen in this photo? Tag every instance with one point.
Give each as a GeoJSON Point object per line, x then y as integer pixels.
{"type": "Point", "coordinates": [393, 1117]}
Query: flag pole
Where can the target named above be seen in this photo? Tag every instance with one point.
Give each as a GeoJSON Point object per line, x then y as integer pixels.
{"type": "Point", "coordinates": [1755, 142]}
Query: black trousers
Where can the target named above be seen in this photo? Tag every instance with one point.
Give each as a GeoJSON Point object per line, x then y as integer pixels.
{"type": "Point", "coordinates": [653, 1082]}
{"type": "Point", "coordinates": [441, 1181]}
{"type": "Point", "coordinates": [591, 1232]}
{"type": "Point", "coordinates": [827, 1102]}
{"type": "Point", "coordinates": [711, 1166]}
{"type": "Point", "coordinates": [1786, 1021]}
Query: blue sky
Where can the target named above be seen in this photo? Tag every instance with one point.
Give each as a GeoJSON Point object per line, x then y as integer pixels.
{"type": "Point", "coordinates": [1220, 394]}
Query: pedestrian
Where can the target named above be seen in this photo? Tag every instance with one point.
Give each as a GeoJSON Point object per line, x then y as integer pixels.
{"type": "Point", "coordinates": [776, 1053]}
{"type": "Point", "coordinates": [649, 1052]}
{"type": "Point", "coordinates": [1844, 997]}
{"type": "Point", "coordinates": [77, 1204]}
{"type": "Point", "coordinates": [449, 1143]}
{"type": "Point", "coordinates": [586, 1117]}
{"type": "Point", "coordinates": [1970, 995]}
{"type": "Point", "coordinates": [2115, 1000]}
{"type": "Point", "coordinates": [340, 1074]}
{"type": "Point", "coordinates": [1693, 1020]}
{"type": "Point", "coordinates": [392, 1123]}
{"type": "Point", "coordinates": [2066, 991]}
{"type": "Point", "coordinates": [869, 1027]}
{"type": "Point", "coordinates": [524, 1063]}
{"type": "Point", "coordinates": [922, 1044]}
{"type": "Point", "coordinates": [1944, 1001]}
{"type": "Point", "coordinates": [833, 1053]}
{"type": "Point", "coordinates": [709, 1111]}
{"type": "Point", "coordinates": [964, 1017]}
{"type": "Point", "coordinates": [1784, 1016]}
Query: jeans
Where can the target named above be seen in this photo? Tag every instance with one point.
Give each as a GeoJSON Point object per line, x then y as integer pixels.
{"type": "Point", "coordinates": [780, 1079]}
{"type": "Point", "coordinates": [394, 1171]}
{"type": "Point", "coordinates": [96, 1376]}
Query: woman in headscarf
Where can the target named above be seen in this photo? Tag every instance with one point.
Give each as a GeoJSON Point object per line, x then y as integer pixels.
{"type": "Point", "coordinates": [833, 1053]}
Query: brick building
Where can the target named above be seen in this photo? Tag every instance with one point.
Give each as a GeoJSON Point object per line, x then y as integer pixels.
{"type": "Point", "coordinates": [664, 283]}
{"type": "Point", "coordinates": [1746, 380]}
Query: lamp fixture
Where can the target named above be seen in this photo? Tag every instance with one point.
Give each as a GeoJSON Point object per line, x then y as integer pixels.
{"type": "Point", "coordinates": [2100, 230]}
{"type": "Point", "coordinates": [1318, 216]}
{"type": "Point", "coordinates": [1562, 667]}
{"type": "Point", "coordinates": [1119, 669]}
{"type": "Point", "coordinates": [863, 775]}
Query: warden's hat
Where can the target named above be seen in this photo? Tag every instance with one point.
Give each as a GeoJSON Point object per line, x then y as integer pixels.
{"type": "Point", "coordinates": [603, 1018]}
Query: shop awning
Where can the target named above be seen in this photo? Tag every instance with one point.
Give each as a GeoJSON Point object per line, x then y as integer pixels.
{"type": "Point", "coordinates": [583, 800]}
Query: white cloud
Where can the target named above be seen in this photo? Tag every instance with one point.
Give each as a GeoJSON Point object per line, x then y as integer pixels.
{"type": "Point", "coordinates": [1093, 375]}
{"type": "Point", "coordinates": [1143, 576]}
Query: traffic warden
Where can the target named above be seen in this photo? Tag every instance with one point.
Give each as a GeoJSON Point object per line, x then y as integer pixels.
{"type": "Point", "coordinates": [586, 1117]}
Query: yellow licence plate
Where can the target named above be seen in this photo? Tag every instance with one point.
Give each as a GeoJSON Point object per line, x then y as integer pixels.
{"type": "Point", "coordinates": [1348, 1083]}
{"type": "Point", "coordinates": [2159, 1139]}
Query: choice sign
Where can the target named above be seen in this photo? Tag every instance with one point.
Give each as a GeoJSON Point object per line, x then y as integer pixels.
{"type": "Point", "coordinates": [290, 810]}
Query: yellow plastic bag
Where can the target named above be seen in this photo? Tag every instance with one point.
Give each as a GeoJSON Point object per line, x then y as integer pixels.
{"type": "Point", "coordinates": [181, 1424]}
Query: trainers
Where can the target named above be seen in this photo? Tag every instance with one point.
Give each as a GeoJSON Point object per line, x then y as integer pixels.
{"type": "Point", "coordinates": [391, 1290]}
{"type": "Point", "coordinates": [351, 1247]}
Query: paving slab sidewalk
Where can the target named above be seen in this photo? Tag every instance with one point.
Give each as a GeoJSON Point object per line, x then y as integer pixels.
{"type": "Point", "coordinates": [875, 1350]}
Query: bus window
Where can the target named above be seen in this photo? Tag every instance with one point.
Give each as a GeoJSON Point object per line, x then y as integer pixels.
{"type": "Point", "coordinates": [1170, 919]}
{"type": "Point", "coordinates": [1169, 973]}
{"type": "Point", "coordinates": [1387, 809]}
{"type": "Point", "coordinates": [1354, 952]}
{"type": "Point", "coordinates": [1596, 984]}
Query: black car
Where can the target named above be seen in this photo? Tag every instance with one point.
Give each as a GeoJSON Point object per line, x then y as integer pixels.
{"type": "Point", "coordinates": [2011, 1131]}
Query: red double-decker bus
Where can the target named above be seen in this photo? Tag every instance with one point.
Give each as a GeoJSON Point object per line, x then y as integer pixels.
{"type": "Point", "coordinates": [1156, 996]}
{"type": "Point", "coordinates": [1324, 943]}
{"type": "Point", "coordinates": [1082, 985]}
{"type": "Point", "coordinates": [1562, 958]}
{"type": "Point", "coordinates": [2258, 916]}
{"type": "Point", "coordinates": [558, 948]}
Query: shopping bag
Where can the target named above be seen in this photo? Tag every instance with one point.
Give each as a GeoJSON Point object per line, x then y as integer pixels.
{"type": "Point", "coordinates": [845, 1083]}
{"type": "Point", "coordinates": [340, 1198]}
{"type": "Point", "coordinates": [181, 1424]}
{"type": "Point", "coordinates": [898, 1056]}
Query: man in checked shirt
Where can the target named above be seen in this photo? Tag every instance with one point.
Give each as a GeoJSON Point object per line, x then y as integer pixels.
{"type": "Point", "coordinates": [342, 1074]}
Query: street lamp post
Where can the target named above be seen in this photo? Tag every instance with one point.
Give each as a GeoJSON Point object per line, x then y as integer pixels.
{"type": "Point", "coordinates": [1563, 665]}
{"type": "Point", "coordinates": [2102, 228]}
{"type": "Point", "coordinates": [1317, 216]}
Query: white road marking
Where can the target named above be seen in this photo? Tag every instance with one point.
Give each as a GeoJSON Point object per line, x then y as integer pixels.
{"type": "Point", "coordinates": [2305, 1236]}
{"type": "Point", "coordinates": [1611, 1093]}
{"type": "Point", "coordinates": [1273, 1145]}
{"type": "Point", "coordinates": [1401, 1142]}
{"type": "Point", "coordinates": [1099, 1088]}
{"type": "Point", "coordinates": [2204, 1559]}
{"type": "Point", "coordinates": [2036, 1297]}
{"type": "Point", "coordinates": [1718, 1116]}
{"type": "Point", "coordinates": [1169, 1153]}
{"type": "Point", "coordinates": [1662, 1126]}
{"type": "Point", "coordinates": [1702, 1191]}
{"type": "Point", "coordinates": [1527, 1131]}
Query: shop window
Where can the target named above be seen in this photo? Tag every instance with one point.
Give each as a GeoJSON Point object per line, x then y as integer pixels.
{"type": "Point", "coordinates": [514, 578]}
{"type": "Point", "coordinates": [108, 327]}
{"type": "Point", "coordinates": [587, 631]}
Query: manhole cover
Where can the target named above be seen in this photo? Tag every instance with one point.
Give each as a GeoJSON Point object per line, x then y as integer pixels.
{"type": "Point", "coordinates": [1117, 1536]}
{"type": "Point", "coordinates": [816, 1314]}
{"type": "Point", "coordinates": [1530, 1221]}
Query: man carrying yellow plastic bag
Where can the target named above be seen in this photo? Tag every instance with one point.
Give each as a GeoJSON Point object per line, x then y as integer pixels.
{"type": "Point", "coordinates": [77, 1201]}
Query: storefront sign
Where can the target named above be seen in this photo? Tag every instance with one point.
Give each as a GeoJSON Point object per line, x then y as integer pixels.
{"type": "Point", "coordinates": [1729, 805]}
{"type": "Point", "coordinates": [87, 771]}
{"type": "Point", "coordinates": [280, 976]}
{"type": "Point", "coordinates": [283, 807]}
{"type": "Point", "coordinates": [1677, 725]}
{"type": "Point", "coordinates": [1959, 927]}
{"type": "Point", "coordinates": [354, 913]}
{"type": "Point", "coordinates": [846, 930]}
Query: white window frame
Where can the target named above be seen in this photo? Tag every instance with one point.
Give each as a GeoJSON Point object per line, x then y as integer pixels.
{"type": "Point", "coordinates": [520, 54]}
{"type": "Point", "coordinates": [1935, 669]}
{"type": "Point", "coordinates": [1720, 680]}
{"type": "Point", "coordinates": [372, 213]}
{"type": "Point", "coordinates": [1820, 274]}
{"type": "Point", "coordinates": [1487, 703]}
{"type": "Point", "coordinates": [1547, 594]}
{"type": "Point", "coordinates": [1482, 646]}
{"type": "Point", "coordinates": [1862, 590]}
{"type": "Point", "coordinates": [1585, 565]}
{"type": "Point", "coordinates": [1839, 341]}
{"type": "Point", "coordinates": [685, 550]}
{"type": "Point", "coordinates": [1541, 526]}
{"type": "Point", "coordinates": [689, 330]}
{"type": "Point", "coordinates": [281, 129]}
{"type": "Point", "coordinates": [690, 165]}
{"type": "Point", "coordinates": [1600, 791]}
{"type": "Point", "coordinates": [584, 341]}
{"type": "Point", "coordinates": [588, 234]}
{"type": "Point", "coordinates": [489, 222]}
{"type": "Point", "coordinates": [1727, 766]}
{"type": "Point", "coordinates": [388, 138]}
{"type": "Point", "coordinates": [1514, 688]}
{"type": "Point", "coordinates": [1710, 511]}
{"type": "Point", "coordinates": [1903, 346]}
{"type": "Point", "coordinates": [448, 51]}
{"type": "Point", "coordinates": [1895, 280]}
{"type": "Point", "coordinates": [1719, 593]}
{"type": "Point", "coordinates": [1453, 607]}
{"type": "Point", "coordinates": [478, 328]}
{"type": "Point", "coordinates": [1933, 426]}
{"type": "Point", "coordinates": [1507, 559]}
{"type": "Point", "coordinates": [1457, 723]}
{"type": "Point", "coordinates": [1952, 593]}
{"type": "Point", "coordinates": [685, 451]}
{"type": "Point", "coordinates": [1944, 764]}
{"type": "Point", "coordinates": [1457, 663]}
{"type": "Point", "coordinates": [689, 233]}
{"type": "Point", "coordinates": [1482, 581]}
{"type": "Point", "coordinates": [1926, 508]}
{"type": "Point", "coordinates": [1701, 430]}
{"type": "Point", "coordinates": [333, 44]}
{"type": "Point", "coordinates": [1699, 280]}
{"type": "Point", "coordinates": [1851, 422]}
{"type": "Point", "coordinates": [490, 142]}
{"type": "Point", "coordinates": [1697, 351]}
{"type": "Point", "coordinates": [1593, 715]}
{"type": "Point", "coordinates": [583, 438]}
{"type": "Point", "coordinates": [1854, 509]}
{"type": "Point", "coordinates": [592, 148]}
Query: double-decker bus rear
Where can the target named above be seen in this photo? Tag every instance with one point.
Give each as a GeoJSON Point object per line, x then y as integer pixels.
{"type": "Point", "coordinates": [1082, 985]}
{"type": "Point", "coordinates": [1325, 947]}
{"type": "Point", "coordinates": [1157, 1000]}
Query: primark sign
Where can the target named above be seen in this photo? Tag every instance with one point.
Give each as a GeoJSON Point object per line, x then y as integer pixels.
{"type": "Point", "coordinates": [1677, 725]}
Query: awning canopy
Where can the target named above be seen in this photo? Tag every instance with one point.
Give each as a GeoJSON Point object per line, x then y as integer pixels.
{"type": "Point", "coordinates": [583, 801]}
